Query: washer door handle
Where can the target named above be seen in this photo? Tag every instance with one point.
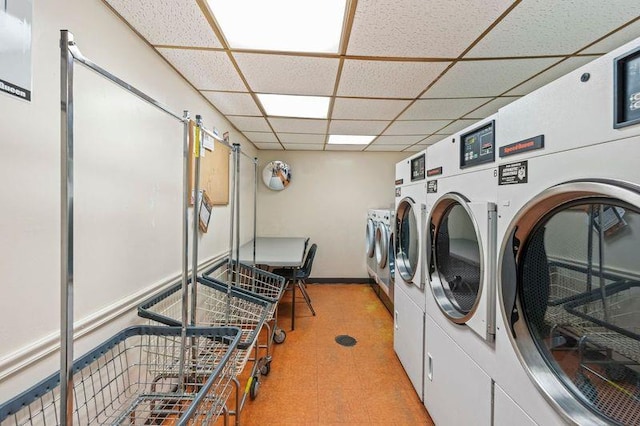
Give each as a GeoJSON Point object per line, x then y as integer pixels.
{"type": "Point", "coordinates": [510, 280]}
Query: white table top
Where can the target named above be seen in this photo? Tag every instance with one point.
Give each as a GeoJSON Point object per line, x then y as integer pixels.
{"type": "Point", "coordinates": [274, 251]}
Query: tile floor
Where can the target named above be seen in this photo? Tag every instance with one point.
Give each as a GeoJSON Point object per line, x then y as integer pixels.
{"type": "Point", "coordinates": [315, 381]}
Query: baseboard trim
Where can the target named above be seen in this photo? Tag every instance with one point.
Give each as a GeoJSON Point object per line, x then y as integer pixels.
{"type": "Point", "coordinates": [340, 280]}
{"type": "Point", "coordinates": [28, 355]}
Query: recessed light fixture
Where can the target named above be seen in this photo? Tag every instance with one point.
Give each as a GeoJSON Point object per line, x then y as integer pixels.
{"type": "Point", "coordinates": [350, 139]}
{"type": "Point", "coordinates": [294, 105]}
{"type": "Point", "coordinates": [283, 25]}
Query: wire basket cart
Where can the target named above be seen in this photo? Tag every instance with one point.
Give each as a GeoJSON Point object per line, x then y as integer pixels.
{"type": "Point", "coordinates": [257, 282]}
{"type": "Point", "coordinates": [135, 378]}
{"type": "Point", "coordinates": [217, 305]}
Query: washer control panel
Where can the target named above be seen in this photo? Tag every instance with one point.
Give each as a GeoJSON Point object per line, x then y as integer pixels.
{"type": "Point", "coordinates": [478, 146]}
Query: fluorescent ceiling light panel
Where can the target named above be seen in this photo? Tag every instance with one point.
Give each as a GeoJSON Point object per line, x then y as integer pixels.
{"type": "Point", "coordinates": [295, 106]}
{"type": "Point", "coordinates": [350, 139]}
{"type": "Point", "coordinates": [284, 25]}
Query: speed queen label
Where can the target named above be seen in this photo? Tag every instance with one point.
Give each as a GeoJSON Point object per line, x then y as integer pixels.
{"type": "Point", "coordinates": [514, 173]}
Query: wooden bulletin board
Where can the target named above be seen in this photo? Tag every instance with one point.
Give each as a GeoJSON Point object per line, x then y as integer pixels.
{"type": "Point", "coordinates": [214, 171]}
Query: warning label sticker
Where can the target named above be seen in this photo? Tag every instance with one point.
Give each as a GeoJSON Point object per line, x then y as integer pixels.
{"type": "Point", "coordinates": [432, 186]}
{"type": "Point", "coordinates": [514, 173]}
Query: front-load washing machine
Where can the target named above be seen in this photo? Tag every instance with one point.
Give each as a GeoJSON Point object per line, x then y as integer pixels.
{"type": "Point", "coordinates": [408, 298]}
{"type": "Point", "coordinates": [384, 250]}
{"type": "Point", "coordinates": [370, 244]}
{"type": "Point", "coordinates": [568, 332]}
{"type": "Point", "coordinates": [460, 251]}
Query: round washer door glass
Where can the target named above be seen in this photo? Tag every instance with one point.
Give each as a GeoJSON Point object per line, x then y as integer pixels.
{"type": "Point", "coordinates": [578, 285]}
{"type": "Point", "coordinates": [382, 239]}
{"type": "Point", "coordinates": [407, 248]}
{"type": "Point", "coordinates": [456, 249]}
{"type": "Point", "coordinates": [371, 238]}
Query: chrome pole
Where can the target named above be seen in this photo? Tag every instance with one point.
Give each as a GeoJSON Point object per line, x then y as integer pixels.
{"type": "Point", "coordinates": [185, 241]}
{"type": "Point", "coordinates": [66, 228]}
{"type": "Point", "coordinates": [255, 206]}
{"type": "Point", "coordinates": [237, 241]}
{"type": "Point", "coordinates": [196, 208]}
{"type": "Point", "coordinates": [232, 213]}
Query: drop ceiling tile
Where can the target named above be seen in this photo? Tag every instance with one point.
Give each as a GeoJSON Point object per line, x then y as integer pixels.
{"type": "Point", "coordinates": [264, 137]}
{"type": "Point", "coordinates": [431, 109]}
{"type": "Point", "coordinates": [387, 79]}
{"type": "Point", "coordinates": [456, 126]}
{"type": "Point", "coordinates": [615, 40]}
{"type": "Point", "coordinates": [357, 127]}
{"type": "Point", "coordinates": [298, 125]}
{"type": "Point", "coordinates": [269, 146]}
{"type": "Point", "coordinates": [233, 103]}
{"type": "Point", "coordinates": [548, 27]}
{"type": "Point", "coordinates": [491, 107]}
{"type": "Point", "coordinates": [295, 75]}
{"type": "Point", "coordinates": [250, 124]}
{"type": "Point", "coordinates": [301, 138]}
{"type": "Point", "coordinates": [397, 140]}
{"type": "Point", "coordinates": [168, 22]}
{"type": "Point", "coordinates": [206, 70]}
{"type": "Point", "coordinates": [430, 140]}
{"type": "Point", "coordinates": [416, 148]}
{"type": "Point", "coordinates": [344, 147]}
{"type": "Point", "coordinates": [548, 76]}
{"type": "Point", "coordinates": [387, 148]}
{"type": "Point", "coordinates": [485, 78]}
{"type": "Point", "coordinates": [368, 109]}
{"type": "Point", "coordinates": [304, 147]}
{"type": "Point", "coordinates": [420, 28]}
{"type": "Point", "coordinates": [416, 127]}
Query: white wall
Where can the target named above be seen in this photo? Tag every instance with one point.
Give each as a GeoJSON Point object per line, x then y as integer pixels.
{"type": "Point", "coordinates": [327, 200]}
{"type": "Point", "coordinates": [128, 186]}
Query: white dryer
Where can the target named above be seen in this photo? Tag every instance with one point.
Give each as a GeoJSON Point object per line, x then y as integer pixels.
{"type": "Point", "coordinates": [408, 296]}
{"type": "Point", "coordinates": [370, 244]}
{"type": "Point", "coordinates": [384, 250]}
{"type": "Point", "coordinates": [568, 332]}
{"type": "Point", "coordinates": [460, 251]}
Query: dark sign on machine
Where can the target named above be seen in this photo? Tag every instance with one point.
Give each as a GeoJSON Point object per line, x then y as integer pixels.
{"type": "Point", "coordinates": [432, 186]}
{"type": "Point", "coordinates": [514, 173]}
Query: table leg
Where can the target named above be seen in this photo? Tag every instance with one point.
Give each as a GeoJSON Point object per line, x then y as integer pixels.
{"type": "Point", "coordinates": [293, 299]}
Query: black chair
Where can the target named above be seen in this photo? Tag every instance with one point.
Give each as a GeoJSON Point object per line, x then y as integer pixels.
{"type": "Point", "coordinates": [301, 275]}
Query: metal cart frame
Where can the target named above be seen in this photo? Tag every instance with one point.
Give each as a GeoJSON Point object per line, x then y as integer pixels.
{"type": "Point", "coordinates": [137, 377]}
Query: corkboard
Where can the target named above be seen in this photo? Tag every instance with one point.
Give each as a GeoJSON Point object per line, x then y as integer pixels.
{"type": "Point", "coordinates": [214, 171]}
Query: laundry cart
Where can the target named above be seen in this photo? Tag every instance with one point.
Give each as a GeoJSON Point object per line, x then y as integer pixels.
{"type": "Point", "coordinates": [142, 375]}
{"type": "Point", "coordinates": [257, 282]}
{"type": "Point", "coordinates": [217, 305]}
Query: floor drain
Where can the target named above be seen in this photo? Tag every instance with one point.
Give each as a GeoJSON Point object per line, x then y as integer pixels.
{"type": "Point", "coordinates": [346, 340]}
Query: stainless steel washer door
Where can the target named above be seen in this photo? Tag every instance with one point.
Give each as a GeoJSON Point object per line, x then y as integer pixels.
{"type": "Point", "coordinates": [408, 239]}
{"type": "Point", "coordinates": [371, 237]}
{"type": "Point", "coordinates": [456, 258]}
{"type": "Point", "coordinates": [382, 241]}
{"type": "Point", "coordinates": [570, 286]}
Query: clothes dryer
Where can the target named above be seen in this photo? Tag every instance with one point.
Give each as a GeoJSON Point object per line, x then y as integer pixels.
{"type": "Point", "coordinates": [460, 251]}
{"type": "Point", "coordinates": [568, 332]}
{"type": "Point", "coordinates": [384, 250]}
{"type": "Point", "coordinates": [408, 297]}
{"type": "Point", "coordinates": [370, 244]}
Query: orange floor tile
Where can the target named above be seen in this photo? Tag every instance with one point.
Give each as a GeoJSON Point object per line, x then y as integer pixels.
{"type": "Point", "coordinates": [315, 381]}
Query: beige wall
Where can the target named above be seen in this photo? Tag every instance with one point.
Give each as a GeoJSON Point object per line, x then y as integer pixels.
{"type": "Point", "coordinates": [327, 200]}
{"type": "Point", "coordinates": [128, 187]}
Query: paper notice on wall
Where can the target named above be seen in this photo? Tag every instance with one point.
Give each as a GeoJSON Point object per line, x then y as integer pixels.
{"type": "Point", "coordinates": [15, 47]}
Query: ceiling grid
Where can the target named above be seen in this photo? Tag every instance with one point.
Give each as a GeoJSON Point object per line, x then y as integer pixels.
{"type": "Point", "coordinates": [405, 72]}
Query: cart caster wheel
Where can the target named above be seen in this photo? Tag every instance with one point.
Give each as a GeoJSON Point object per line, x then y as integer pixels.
{"type": "Point", "coordinates": [253, 390]}
{"type": "Point", "coordinates": [266, 368]}
{"type": "Point", "coordinates": [280, 336]}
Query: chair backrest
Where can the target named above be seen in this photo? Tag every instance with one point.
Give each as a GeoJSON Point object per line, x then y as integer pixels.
{"type": "Point", "coordinates": [305, 271]}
